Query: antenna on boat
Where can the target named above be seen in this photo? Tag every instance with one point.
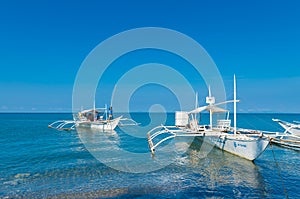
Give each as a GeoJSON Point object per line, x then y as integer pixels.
{"type": "Point", "coordinates": [210, 100]}
{"type": "Point", "coordinates": [234, 104]}
{"type": "Point", "coordinates": [112, 96]}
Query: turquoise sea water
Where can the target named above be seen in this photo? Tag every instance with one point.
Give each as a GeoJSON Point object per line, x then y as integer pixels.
{"type": "Point", "coordinates": [38, 162]}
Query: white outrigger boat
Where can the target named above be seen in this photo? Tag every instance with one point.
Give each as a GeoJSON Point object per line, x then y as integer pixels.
{"type": "Point", "coordinates": [96, 118]}
{"type": "Point", "coordinates": [290, 128]}
{"type": "Point", "coordinates": [246, 143]}
{"type": "Point", "coordinates": [290, 138]}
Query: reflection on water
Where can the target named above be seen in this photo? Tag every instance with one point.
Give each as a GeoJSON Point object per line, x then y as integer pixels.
{"type": "Point", "coordinates": [123, 152]}
{"type": "Point", "coordinates": [220, 170]}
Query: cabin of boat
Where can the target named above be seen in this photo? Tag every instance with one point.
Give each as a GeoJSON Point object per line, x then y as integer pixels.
{"type": "Point", "coordinates": [93, 115]}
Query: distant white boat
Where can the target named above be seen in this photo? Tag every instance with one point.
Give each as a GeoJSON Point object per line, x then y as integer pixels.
{"type": "Point", "coordinates": [290, 138]}
{"type": "Point", "coordinates": [96, 118]}
{"type": "Point", "coordinates": [290, 128]}
{"type": "Point", "coordinates": [240, 142]}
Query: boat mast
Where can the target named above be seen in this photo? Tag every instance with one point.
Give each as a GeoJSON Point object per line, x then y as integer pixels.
{"type": "Point", "coordinates": [196, 100]}
{"type": "Point", "coordinates": [106, 115]}
{"type": "Point", "coordinates": [210, 111]}
{"type": "Point", "coordinates": [196, 104]}
{"type": "Point", "coordinates": [94, 110]}
{"type": "Point", "coordinates": [234, 104]}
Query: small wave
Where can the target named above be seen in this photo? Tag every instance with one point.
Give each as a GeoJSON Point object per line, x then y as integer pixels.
{"type": "Point", "coordinates": [11, 182]}
{"type": "Point", "coordinates": [22, 175]}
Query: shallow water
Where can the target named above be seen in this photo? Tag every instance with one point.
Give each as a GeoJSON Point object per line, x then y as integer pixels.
{"type": "Point", "coordinates": [37, 162]}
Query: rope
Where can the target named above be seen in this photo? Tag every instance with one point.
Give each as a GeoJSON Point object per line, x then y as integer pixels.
{"type": "Point", "coordinates": [279, 173]}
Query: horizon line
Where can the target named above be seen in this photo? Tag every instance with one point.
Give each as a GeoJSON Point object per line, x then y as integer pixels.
{"type": "Point", "coordinates": [67, 112]}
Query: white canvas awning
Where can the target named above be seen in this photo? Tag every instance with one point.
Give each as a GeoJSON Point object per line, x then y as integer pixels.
{"type": "Point", "coordinates": [214, 109]}
{"type": "Point", "coordinates": [93, 110]}
{"type": "Point", "coordinates": [198, 110]}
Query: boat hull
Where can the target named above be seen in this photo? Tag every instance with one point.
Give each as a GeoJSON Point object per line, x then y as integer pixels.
{"type": "Point", "coordinates": [248, 148]}
{"type": "Point", "coordinates": [105, 126]}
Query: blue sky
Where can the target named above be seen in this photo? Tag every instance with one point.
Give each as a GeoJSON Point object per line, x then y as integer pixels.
{"type": "Point", "coordinates": [43, 44]}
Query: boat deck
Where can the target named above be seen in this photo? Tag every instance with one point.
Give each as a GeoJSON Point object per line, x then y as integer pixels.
{"type": "Point", "coordinates": [169, 132]}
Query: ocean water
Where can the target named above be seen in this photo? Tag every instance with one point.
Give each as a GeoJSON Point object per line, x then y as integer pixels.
{"type": "Point", "coordinates": [38, 162]}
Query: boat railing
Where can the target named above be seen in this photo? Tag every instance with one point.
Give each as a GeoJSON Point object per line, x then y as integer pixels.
{"type": "Point", "coordinates": [224, 125]}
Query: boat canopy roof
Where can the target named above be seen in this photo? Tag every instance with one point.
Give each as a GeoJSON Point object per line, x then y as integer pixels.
{"type": "Point", "coordinates": [93, 110]}
{"type": "Point", "coordinates": [213, 108]}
